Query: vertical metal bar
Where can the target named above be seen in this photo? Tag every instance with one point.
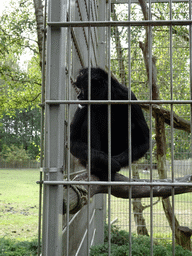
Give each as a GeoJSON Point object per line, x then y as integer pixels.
{"type": "Point", "coordinates": [151, 178]}
{"type": "Point", "coordinates": [89, 93]}
{"type": "Point", "coordinates": [39, 214]}
{"type": "Point", "coordinates": [151, 96]}
{"type": "Point", "coordinates": [42, 125]}
{"type": "Point", "coordinates": [151, 147]}
{"type": "Point", "coordinates": [43, 82]}
{"type": "Point", "coordinates": [54, 134]}
{"type": "Point", "coordinates": [67, 223]}
{"type": "Point", "coordinates": [129, 127]}
{"type": "Point", "coordinates": [89, 125]}
{"type": "Point", "coordinates": [69, 82]}
{"type": "Point", "coordinates": [100, 215]}
{"type": "Point", "coordinates": [109, 93]}
{"type": "Point", "coordinates": [45, 188]}
{"type": "Point", "coordinates": [109, 129]}
{"type": "Point", "coordinates": [172, 131]}
{"type": "Point", "coordinates": [151, 171]}
{"type": "Point", "coordinates": [171, 88]}
{"type": "Point", "coordinates": [69, 121]}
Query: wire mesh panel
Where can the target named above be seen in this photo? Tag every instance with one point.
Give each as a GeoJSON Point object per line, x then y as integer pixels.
{"type": "Point", "coordinates": [166, 46]}
{"type": "Point", "coordinates": [144, 48]}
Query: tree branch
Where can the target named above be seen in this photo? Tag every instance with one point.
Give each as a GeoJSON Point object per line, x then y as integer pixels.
{"type": "Point", "coordinates": [178, 122]}
{"type": "Point", "coordinates": [149, 205]}
{"type": "Point", "coordinates": [78, 194]}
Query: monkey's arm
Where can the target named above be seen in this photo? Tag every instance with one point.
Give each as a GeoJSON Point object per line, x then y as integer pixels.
{"type": "Point", "coordinates": [79, 146]}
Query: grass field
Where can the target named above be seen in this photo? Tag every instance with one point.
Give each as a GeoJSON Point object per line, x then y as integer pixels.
{"type": "Point", "coordinates": [19, 195]}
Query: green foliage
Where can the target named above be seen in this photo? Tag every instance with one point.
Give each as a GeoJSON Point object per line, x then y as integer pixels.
{"type": "Point", "coordinates": [182, 145]}
{"type": "Point", "coordinates": [20, 74]}
{"type": "Point", "coordinates": [140, 246]}
{"type": "Point", "coordinates": [22, 129]}
{"type": "Point", "coordinates": [172, 62]}
{"type": "Point", "coordinates": [14, 154]}
{"type": "Point", "coordinates": [160, 49]}
{"type": "Point", "coordinates": [13, 248]}
{"type": "Point", "coordinates": [20, 80]}
{"type": "Point", "coordinates": [119, 237]}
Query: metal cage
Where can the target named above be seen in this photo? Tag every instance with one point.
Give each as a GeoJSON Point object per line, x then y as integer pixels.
{"type": "Point", "coordinates": [81, 33]}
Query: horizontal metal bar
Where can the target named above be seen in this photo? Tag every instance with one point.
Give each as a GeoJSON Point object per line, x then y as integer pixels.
{"type": "Point", "coordinates": [108, 102]}
{"type": "Point", "coordinates": [115, 183]}
{"type": "Point", "coordinates": [52, 169]}
{"type": "Point", "coordinates": [120, 23]}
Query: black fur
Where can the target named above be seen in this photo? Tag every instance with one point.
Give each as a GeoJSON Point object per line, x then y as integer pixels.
{"type": "Point", "coordinates": [99, 125]}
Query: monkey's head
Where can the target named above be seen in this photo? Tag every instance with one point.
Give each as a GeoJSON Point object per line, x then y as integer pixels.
{"type": "Point", "coordinates": [98, 84]}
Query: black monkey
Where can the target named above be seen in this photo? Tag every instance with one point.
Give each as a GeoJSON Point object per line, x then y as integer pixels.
{"type": "Point", "coordinates": [99, 125]}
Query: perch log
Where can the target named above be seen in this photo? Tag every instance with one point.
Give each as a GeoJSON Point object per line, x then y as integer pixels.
{"type": "Point", "coordinates": [78, 194]}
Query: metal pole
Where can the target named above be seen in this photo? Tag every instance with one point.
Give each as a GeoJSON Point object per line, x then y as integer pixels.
{"type": "Point", "coordinates": [42, 125]}
{"type": "Point", "coordinates": [54, 132]}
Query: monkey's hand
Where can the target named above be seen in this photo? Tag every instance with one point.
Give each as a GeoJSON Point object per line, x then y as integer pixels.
{"type": "Point", "coordinates": [123, 158]}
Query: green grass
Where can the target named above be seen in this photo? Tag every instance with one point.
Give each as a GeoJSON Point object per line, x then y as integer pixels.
{"type": "Point", "coordinates": [19, 201]}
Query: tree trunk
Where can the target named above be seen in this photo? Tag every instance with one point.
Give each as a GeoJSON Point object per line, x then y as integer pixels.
{"type": "Point", "coordinates": [182, 234]}
{"type": "Point", "coordinates": [119, 48]}
{"type": "Point", "coordinates": [39, 20]}
{"type": "Point", "coordinates": [138, 209]}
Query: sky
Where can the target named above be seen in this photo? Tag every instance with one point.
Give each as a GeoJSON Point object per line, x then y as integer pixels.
{"type": "Point", "coordinates": [2, 3]}
{"type": "Point", "coordinates": [24, 57]}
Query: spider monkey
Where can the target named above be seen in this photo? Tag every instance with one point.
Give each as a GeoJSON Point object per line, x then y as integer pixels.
{"type": "Point", "coordinates": [99, 125]}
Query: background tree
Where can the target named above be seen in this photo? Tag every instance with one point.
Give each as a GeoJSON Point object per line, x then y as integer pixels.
{"type": "Point", "coordinates": [20, 74]}
{"type": "Point", "coordinates": [20, 77]}
{"type": "Point", "coordinates": [21, 130]}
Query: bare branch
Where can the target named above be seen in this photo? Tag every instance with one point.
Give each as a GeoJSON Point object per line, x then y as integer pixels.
{"type": "Point", "coordinates": [149, 205]}
{"type": "Point", "coordinates": [178, 122]}
{"type": "Point", "coordinates": [78, 194]}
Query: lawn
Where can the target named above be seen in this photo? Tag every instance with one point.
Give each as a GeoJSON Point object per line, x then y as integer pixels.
{"type": "Point", "coordinates": [19, 201]}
